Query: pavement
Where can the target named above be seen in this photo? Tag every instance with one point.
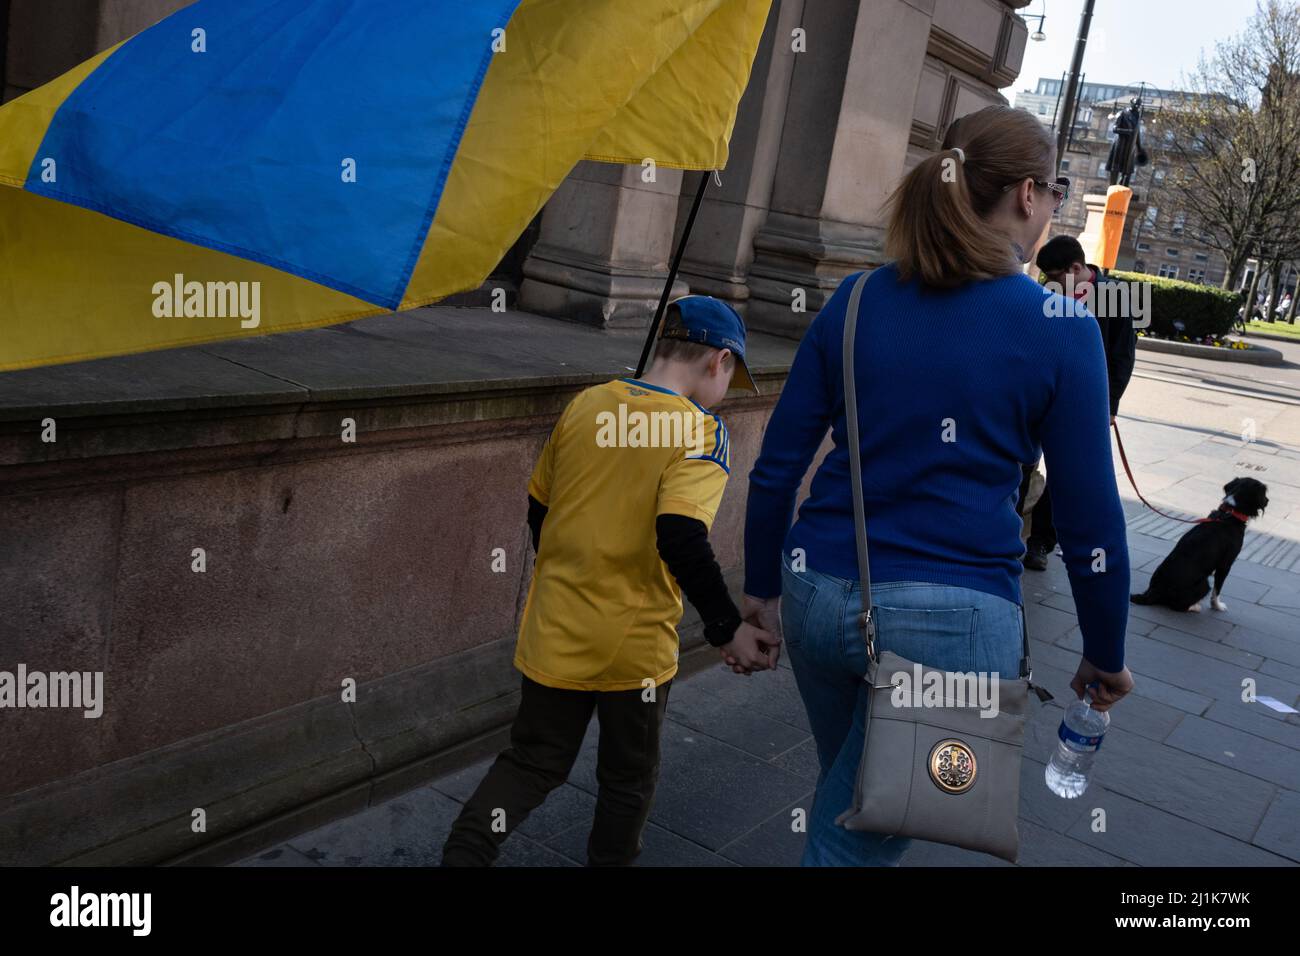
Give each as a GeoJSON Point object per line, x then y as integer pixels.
{"type": "Point", "coordinates": [1190, 774]}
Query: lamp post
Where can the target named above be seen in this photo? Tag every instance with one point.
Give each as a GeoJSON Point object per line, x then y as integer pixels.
{"type": "Point", "coordinates": [4, 44]}
{"type": "Point", "coordinates": [1072, 90]}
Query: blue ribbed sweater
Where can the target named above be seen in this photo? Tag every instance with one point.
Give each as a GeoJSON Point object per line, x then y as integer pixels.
{"type": "Point", "coordinates": [955, 390]}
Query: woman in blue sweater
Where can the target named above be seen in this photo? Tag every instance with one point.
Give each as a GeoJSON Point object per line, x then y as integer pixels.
{"type": "Point", "coordinates": [965, 368]}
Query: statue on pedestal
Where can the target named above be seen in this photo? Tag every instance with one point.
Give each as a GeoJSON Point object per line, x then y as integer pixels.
{"type": "Point", "coordinates": [1126, 149]}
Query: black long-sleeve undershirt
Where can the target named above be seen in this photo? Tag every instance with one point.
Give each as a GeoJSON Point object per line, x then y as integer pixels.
{"type": "Point", "coordinates": [683, 545]}
{"type": "Point", "coordinates": [536, 515]}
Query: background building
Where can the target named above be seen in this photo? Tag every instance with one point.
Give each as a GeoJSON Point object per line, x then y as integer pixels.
{"type": "Point", "coordinates": [1045, 99]}
{"type": "Point", "coordinates": [1156, 241]}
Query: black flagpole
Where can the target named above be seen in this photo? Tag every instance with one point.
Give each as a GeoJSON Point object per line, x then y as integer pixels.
{"type": "Point", "coordinates": [672, 275]}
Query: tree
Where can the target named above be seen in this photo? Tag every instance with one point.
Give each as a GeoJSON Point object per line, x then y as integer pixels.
{"type": "Point", "coordinates": [1236, 142]}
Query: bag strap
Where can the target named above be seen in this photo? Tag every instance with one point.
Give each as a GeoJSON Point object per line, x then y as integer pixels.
{"type": "Point", "coordinates": [866, 620]}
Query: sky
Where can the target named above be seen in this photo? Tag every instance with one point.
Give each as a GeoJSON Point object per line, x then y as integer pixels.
{"type": "Point", "coordinates": [1130, 40]}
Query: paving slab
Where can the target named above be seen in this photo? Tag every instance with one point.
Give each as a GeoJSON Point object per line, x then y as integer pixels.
{"type": "Point", "coordinates": [405, 831]}
{"type": "Point", "coordinates": [709, 792]}
{"type": "Point", "coordinates": [1046, 623]}
{"type": "Point", "coordinates": [1198, 673]}
{"type": "Point", "coordinates": [1279, 833]}
{"type": "Point", "coordinates": [1210, 625]}
{"type": "Point", "coordinates": [1200, 645]}
{"type": "Point", "coordinates": [1148, 836]}
{"type": "Point", "coordinates": [1274, 762]}
{"type": "Point", "coordinates": [1281, 598]}
{"type": "Point", "coordinates": [801, 760]}
{"type": "Point", "coordinates": [1283, 649]}
{"type": "Point", "coordinates": [1040, 846]}
{"type": "Point", "coordinates": [282, 855]}
{"type": "Point", "coordinates": [773, 694]}
{"type": "Point", "coordinates": [1039, 805]}
{"type": "Point", "coordinates": [1288, 672]}
{"type": "Point", "coordinates": [749, 730]}
{"type": "Point", "coordinates": [774, 842]}
{"type": "Point", "coordinates": [1183, 784]}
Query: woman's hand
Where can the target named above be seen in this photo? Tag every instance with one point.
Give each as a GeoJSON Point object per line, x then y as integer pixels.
{"type": "Point", "coordinates": [1112, 687]}
{"type": "Point", "coordinates": [764, 613]}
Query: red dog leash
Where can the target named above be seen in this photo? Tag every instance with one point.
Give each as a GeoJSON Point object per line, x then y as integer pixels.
{"type": "Point", "coordinates": [1132, 481]}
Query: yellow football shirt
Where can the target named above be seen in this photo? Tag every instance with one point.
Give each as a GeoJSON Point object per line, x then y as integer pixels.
{"type": "Point", "coordinates": [602, 609]}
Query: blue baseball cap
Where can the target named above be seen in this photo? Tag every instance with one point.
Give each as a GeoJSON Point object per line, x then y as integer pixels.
{"type": "Point", "coordinates": [709, 321]}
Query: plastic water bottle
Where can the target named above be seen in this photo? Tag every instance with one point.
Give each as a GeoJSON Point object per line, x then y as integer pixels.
{"type": "Point", "coordinates": [1080, 735]}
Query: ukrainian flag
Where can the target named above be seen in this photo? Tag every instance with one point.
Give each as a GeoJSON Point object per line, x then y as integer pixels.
{"type": "Point", "coordinates": [350, 157]}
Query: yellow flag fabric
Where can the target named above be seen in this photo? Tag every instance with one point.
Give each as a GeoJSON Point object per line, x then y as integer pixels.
{"type": "Point", "coordinates": [98, 258]}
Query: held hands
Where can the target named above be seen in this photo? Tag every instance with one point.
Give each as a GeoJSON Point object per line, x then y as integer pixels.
{"type": "Point", "coordinates": [1111, 688]}
{"type": "Point", "coordinates": [751, 649]}
{"type": "Point", "coordinates": [757, 642]}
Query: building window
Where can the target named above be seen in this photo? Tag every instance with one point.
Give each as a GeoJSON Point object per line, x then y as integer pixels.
{"type": "Point", "coordinates": [1168, 270]}
{"type": "Point", "coordinates": [1172, 252]}
{"type": "Point", "coordinates": [1042, 109]}
{"type": "Point", "coordinates": [1196, 275]}
{"type": "Point", "coordinates": [1202, 257]}
{"type": "Point", "coordinates": [1065, 164]}
{"type": "Point", "coordinates": [1143, 247]}
{"type": "Point", "coordinates": [1158, 175]}
{"type": "Point", "coordinates": [1180, 220]}
{"type": "Point", "coordinates": [1139, 266]}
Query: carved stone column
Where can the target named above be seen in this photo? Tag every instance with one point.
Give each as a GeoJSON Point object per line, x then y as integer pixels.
{"type": "Point", "coordinates": [605, 245]}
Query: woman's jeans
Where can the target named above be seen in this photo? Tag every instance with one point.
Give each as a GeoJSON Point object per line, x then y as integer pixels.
{"type": "Point", "coordinates": [950, 628]}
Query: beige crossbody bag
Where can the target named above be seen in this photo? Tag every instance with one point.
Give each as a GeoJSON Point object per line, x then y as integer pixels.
{"type": "Point", "coordinates": [944, 773]}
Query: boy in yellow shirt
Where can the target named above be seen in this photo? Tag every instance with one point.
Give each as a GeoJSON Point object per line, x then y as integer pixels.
{"type": "Point", "coordinates": [627, 487]}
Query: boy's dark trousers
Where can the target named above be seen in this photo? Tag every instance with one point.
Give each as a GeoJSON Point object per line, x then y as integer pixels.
{"type": "Point", "coordinates": [544, 743]}
{"type": "Point", "coordinates": [1041, 529]}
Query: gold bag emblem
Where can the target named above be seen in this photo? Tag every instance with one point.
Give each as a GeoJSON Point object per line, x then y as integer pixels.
{"type": "Point", "coordinates": [952, 766]}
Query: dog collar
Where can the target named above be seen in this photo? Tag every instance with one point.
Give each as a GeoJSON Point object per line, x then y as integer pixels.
{"type": "Point", "coordinates": [1233, 513]}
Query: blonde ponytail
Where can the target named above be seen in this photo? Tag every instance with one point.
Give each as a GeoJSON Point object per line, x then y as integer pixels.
{"type": "Point", "coordinates": [938, 227]}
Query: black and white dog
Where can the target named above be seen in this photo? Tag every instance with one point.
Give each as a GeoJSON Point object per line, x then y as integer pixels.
{"type": "Point", "coordinates": [1182, 579]}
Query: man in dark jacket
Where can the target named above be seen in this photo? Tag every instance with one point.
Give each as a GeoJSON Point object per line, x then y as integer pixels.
{"type": "Point", "coordinates": [1061, 260]}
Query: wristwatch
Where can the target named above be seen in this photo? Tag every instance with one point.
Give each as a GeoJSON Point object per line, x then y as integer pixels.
{"type": "Point", "coordinates": [721, 632]}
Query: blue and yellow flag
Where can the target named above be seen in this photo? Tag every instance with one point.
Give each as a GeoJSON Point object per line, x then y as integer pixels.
{"type": "Point", "coordinates": [246, 167]}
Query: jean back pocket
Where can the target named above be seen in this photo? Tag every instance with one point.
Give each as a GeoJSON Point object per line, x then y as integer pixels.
{"type": "Point", "coordinates": [942, 638]}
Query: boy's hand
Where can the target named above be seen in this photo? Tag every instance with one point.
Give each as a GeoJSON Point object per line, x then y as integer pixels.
{"type": "Point", "coordinates": [751, 649]}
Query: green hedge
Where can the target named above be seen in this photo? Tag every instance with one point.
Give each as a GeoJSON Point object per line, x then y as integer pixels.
{"type": "Point", "coordinates": [1201, 309]}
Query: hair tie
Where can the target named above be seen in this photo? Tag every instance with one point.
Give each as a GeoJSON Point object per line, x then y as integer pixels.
{"type": "Point", "coordinates": [961, 156]}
